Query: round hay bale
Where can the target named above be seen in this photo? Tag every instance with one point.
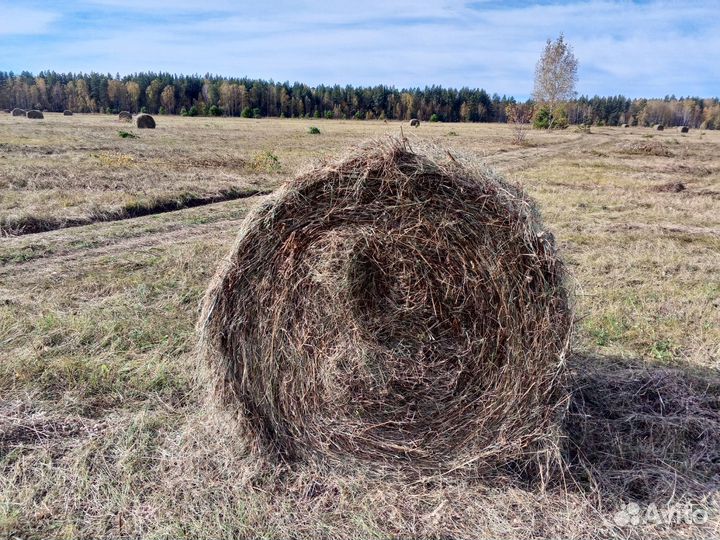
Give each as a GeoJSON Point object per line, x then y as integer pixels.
{"type": "Point", "coordinates": [414, 122]}
{"type": "Point", "coordinates": [145, 121]}
{"type": "Point", "coordinates": [683, 129]}
{"type": "Point", "coordinates": [659, 127]}
{"type": "Point", "coordinates": [624, 125]}
{"type": "Point", "coordinates": [395, 308]}
{"type": "Point", "coordinates": [35, 115]}
{"type": "Point", "coordinates": [125, 116]}
{"type": "Point", "coordinates": [18, 112]}
{"type": "Point", "coordinates": [67, 113]}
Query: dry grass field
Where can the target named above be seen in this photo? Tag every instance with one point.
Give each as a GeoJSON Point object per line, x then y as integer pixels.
{"type": "Point", "coordinates": [103, 426]}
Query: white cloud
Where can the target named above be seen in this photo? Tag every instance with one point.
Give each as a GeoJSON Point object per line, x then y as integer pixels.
{"type": "Point", "coordinates": [24, 21]}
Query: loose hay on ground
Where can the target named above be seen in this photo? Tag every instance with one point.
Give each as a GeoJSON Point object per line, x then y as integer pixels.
{"type": "Point", "coordinates": [394, 308]}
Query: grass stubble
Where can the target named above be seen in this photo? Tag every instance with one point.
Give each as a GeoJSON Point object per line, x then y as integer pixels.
{"type": "Point", "coordinates": [105, 425]}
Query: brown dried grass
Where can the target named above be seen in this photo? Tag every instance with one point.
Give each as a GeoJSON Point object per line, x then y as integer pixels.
{"type": "Point", "coordinates": [394, 308]}
{"type": "Point", "coordinates": [647, 148]}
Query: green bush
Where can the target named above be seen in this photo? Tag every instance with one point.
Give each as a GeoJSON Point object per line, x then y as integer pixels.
{"type": "Point", "coordinates": [143, 110]}
{"type": "Point", "coordinates": [359, 116]}
{"type": "Point", "coordinates": [193, 111]}
{"type": "Point", "coordinates": [162, 110]}
{"type": "Point", "coordinates": [542, 118]}
{"type": "Point", "coordinates": [314, 131]}
{"type": "Point", "coordinates": [316, 114]}
{"type": "Point", "coordinates": [329, 115]}
{"type": "Point", "coordinates": [256, 113]}
{"type": "Point", "coordinates": [127, 135]}
{"type": "Point", "coordinates": [183, 112]}
{"type": "Point", "coordinates": [246, 112]}
{"type": "Point", "coordinates": [434, 118]}
{"type": "Point", "coordinates": [214, 110]}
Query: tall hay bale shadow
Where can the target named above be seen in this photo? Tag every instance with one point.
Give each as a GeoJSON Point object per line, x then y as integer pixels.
{"type": "Point", "coordinates": [393, 308]}
{"type": "Point", "coordinates": [644, 433]}
{"type": "Point", "coordinates": [35, 115]}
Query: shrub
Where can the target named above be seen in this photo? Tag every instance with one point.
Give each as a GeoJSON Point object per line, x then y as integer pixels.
{"type": "Point", "coordinates": [434, 118]}
{"type": "Point", "coordinates": [314, 131]}
{"type": "Point", "coordinates": [214, 110]}
{"type": "Point", "coordinates": [127, 135]}
{"type": "Point", "coordinates": [329, 115]}
{"type": "Point", "coordinates": [183, 112]}
{"type": "Point", "coordinates": [316, 114]}
{"type": "Point", "coordinates": [256, 113]}
{"type": "Point", "coordinates": [193, 111]}
{"type": "Point", "coordinates": [246, 112]}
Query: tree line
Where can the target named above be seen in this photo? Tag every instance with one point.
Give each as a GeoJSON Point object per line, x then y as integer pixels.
{"type": "Point", "coordinates": [164, 93]}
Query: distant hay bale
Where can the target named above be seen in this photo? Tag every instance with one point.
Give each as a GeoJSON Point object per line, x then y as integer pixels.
{"type": "Point", "coordinates": [145, 121]}
{"type": "Point", "coordinates": [125, 116]}
{"type": "Point", "coordinates": [18, 112]}
{"type": "Point", "coordinates": [35, 115]}
{"type": "Point", "coordinates": [414, 122]}
{"type": "Point", "coordinates": [683, 129]}
{"type": "Point", "coordinates": [659, 127]}
{"type": "Point", "coordinates": [624, 125]}
{"type": "Point", "coordinates": [67, 113]}
{"type": "Point", "coordinates": [393, 307]}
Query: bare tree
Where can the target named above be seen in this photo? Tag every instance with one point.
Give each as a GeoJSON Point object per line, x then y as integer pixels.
{"type": "Point", "coordinates": [519, 116]}
{"type": "Point", "coordinates": [555, 75]}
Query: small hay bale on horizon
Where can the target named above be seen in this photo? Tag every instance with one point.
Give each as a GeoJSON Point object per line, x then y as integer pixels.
{"type": "Point", "coordinates": [624, 125]}
{"type": "Point", "coordinates": [395, 307]}
{"type": "Point", "coordinates": [125, 116]}
{"type": "Point", "coordinates": [18, 112]}
{"type": "Point", "coordinates": [35, 115]}
{"type": "Point", "coordinates": [67, 113]}
{"type": "Point", "coordinates": [683, 129]}
{"type": "Point", "coordinates": [414, 122]}
{"type": "Point", "coordinates": [145, 121]}
{"type": "Point", "coordinates": [659, 127]}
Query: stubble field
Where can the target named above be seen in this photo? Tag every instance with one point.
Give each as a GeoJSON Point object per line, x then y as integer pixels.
{"type": "Point", "coordinates": [103, 429]}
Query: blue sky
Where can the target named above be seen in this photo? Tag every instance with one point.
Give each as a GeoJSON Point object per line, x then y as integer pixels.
{"type": "Point", "coordinates": [638, 48]}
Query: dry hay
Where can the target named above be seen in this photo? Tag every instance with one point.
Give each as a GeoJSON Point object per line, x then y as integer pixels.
{"type": "Point", "coordinates": [670, 187]}
{"type": "Point", "coordinates": [683, 129]}
{"type": "Point", "coordinates": [145, 121]}
{"type": "Point", "coordinates": [414, 122]}
{"type": "Point", "coordinates": [125, 116]}
{"type": "Point", "coordinates": [67, 113]}
{"type": "Point", "coordinates": [18, 112]}
{"type": "Point", "coordinates": [658, 127]}
{"type": "Point", "coordinates": [648, 148]}
{"type": "Point", "coordinates": [36, 115]}
{"type": "Point", "coordinates": [624, 125]}
{"type": "Point", "coordinates": [396, 308]}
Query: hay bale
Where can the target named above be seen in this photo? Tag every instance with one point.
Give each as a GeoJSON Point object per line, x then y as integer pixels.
{"type": "Point", "coordinates": [659, 127]}
{"type": "Point", "coordinates": [395, 308]}
{"type": "Point", "coordinates": [18, 112]}
{"type": "Point", "coordinates": [624, 125]}
{"type": "Point", "coordinates": [35, 115]}
{"type": "Point", "coordinates": [683, 129]}
{"type": "Point", "coordinates": [145, 121]}
{"type": "Point", "coordinates": [67, 113]}
{"type": "Point", "coordinates": [414, 122]}
{"type": "Point", "coordinates": [125, 116]}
